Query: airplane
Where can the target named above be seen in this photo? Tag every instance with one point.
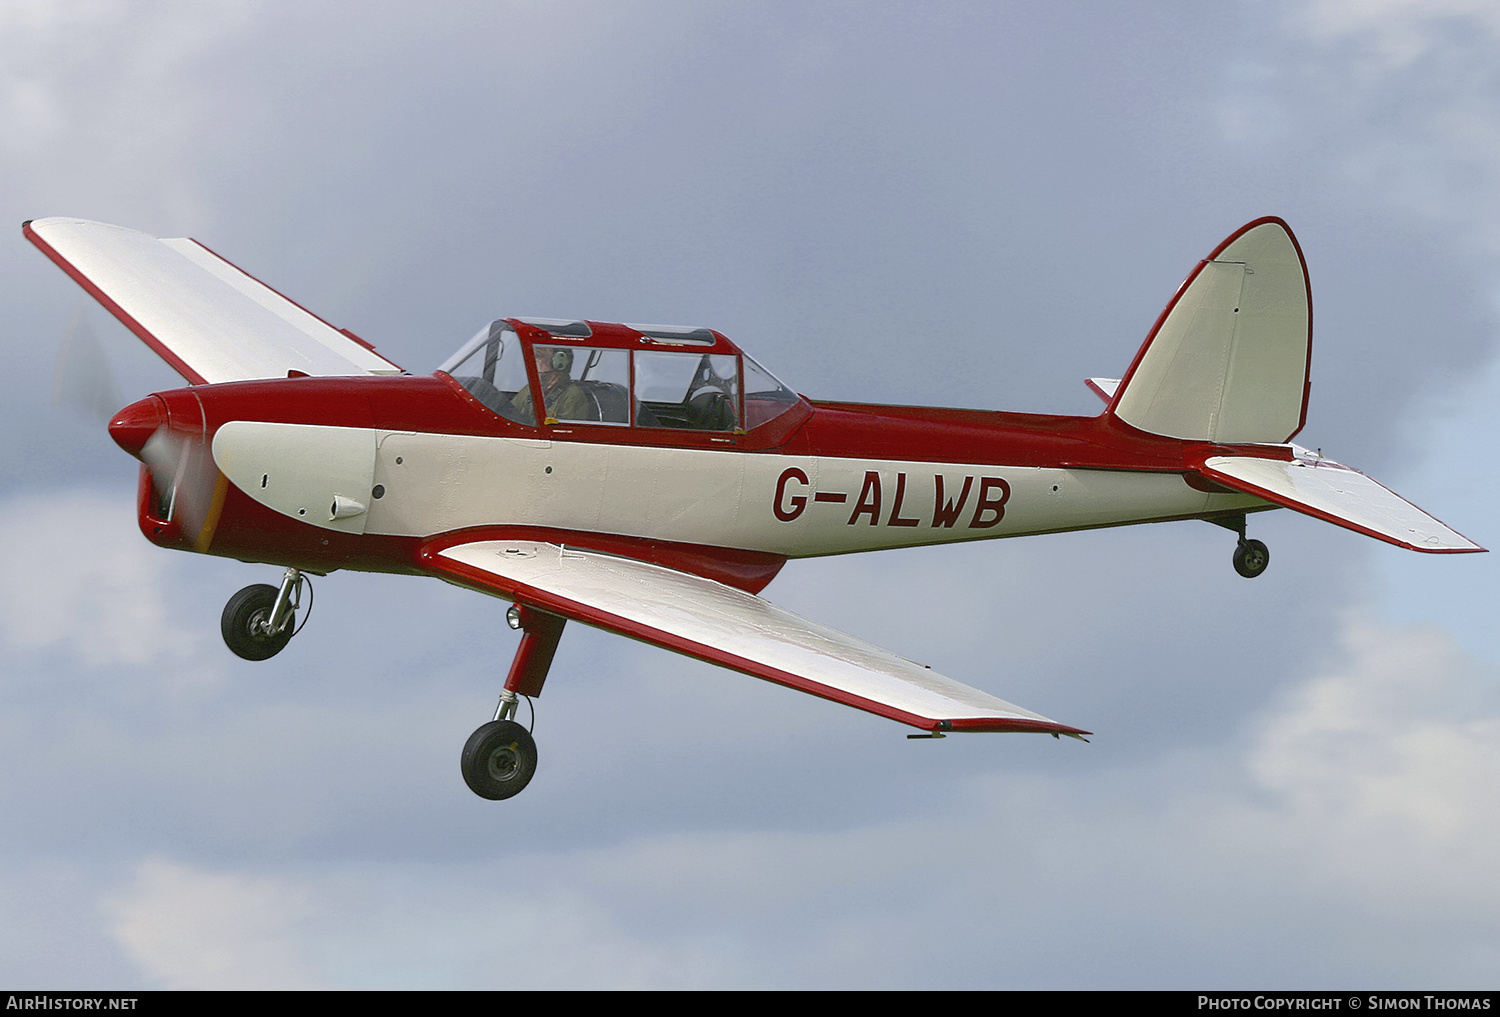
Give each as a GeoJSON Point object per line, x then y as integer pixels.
{"type": "Point", "coordinates": [669, 476]}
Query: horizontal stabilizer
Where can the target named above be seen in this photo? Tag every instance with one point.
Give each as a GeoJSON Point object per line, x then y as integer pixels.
{"type": "Point", "coordinates": [207, 319]}
{"type": "Point", "coordinates": [1339, 494]}
{"type": "Point", "coordinates": [1104, 388]}
{"type": "Point", "coordinates": [731, 628]}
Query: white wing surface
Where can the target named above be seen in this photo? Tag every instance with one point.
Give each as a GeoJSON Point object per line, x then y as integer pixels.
{"type": "Point", "coordinates": [1338, 494]}
{"type": "Point", "coordinates": [725, 626]}
{"type": "Point", "coordinates": [202, 315]}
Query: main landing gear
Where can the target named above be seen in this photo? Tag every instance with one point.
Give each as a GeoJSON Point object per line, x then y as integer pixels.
{"type": "Point", "coordinates": [1250, 556]}
{"type": "Point", "coordinates": [500, 757]}
{"type": "Point", "coordinates": [260, 620]}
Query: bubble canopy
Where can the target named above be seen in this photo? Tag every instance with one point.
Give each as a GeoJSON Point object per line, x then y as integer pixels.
{"type": "Point", "coordinates": [662, 377]}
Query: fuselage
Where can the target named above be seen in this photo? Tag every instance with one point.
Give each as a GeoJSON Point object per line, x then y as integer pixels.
{"type": "Point", "coordinates": [371, 473]}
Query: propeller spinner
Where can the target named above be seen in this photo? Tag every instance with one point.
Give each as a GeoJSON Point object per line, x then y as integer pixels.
{"type": "Point", "coordinates": [187, 488]}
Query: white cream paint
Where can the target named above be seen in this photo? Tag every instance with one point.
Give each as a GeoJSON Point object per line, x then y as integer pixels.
{"type": "Point", "coordinates": [436, 483]}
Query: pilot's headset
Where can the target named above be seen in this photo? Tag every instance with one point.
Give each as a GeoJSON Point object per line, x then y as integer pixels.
{"type": "Point", "coordinates": [561, 360]}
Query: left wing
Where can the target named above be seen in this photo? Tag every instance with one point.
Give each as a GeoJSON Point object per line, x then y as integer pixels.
{"type": "Point", "coordinates": [728, 627]}
{"type": "Point", "coordinates": [202, 315]}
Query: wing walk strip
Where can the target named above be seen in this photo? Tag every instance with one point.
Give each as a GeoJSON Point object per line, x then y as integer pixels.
{"type": "Point", "coordinates": [717, 623]}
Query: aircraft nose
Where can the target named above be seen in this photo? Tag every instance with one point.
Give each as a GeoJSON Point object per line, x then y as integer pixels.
{"type": "Point", "coordinates": [133, 426]}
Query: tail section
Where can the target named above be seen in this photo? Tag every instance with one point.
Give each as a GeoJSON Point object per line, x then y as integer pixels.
{"type": "Point", "coordinates": [1228, 359]}
{"type": "Point", "coordinates": [1227, 363]}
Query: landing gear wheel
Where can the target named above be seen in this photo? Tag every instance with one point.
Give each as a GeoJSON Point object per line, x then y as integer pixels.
{"type": "Point", "coordinates": [244, 624]}
{"type": "Point", "coordinates": [499, 760]}
{"type": "Point", "coordinates": [1251, 558]}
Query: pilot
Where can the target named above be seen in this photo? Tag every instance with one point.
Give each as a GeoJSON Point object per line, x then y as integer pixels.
{"type": "Point", "coordinates": [563, 397]}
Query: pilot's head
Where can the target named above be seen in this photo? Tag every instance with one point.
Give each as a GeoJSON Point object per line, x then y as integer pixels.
{"type": "Point", "coordinates": [552, 360]}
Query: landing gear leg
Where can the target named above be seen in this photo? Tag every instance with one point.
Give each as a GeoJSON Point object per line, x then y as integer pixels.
{"type": "Point", "coordinates": [500, 757]}
{"type": "Point", "coordinates": [260, 620]}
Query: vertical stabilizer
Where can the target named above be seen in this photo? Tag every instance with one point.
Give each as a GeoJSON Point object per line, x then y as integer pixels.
{"type": "Point", "coordinates": [1228, 359]}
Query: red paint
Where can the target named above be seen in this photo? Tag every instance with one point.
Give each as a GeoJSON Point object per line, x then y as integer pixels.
{"type": "Point", "coordinates": [437, 404]}
{"type": "Point", "coordinates": [896, 518]}
{"type": "Point", "coordinates": [990, 508]}
{"type": "Point", "coordinates": [540, 635]}
{"type": "Point", "coordinates": [869, 500]}
{"type": "Point", "coordinates": [789, 507]}
{"type": "Point", "coordinates": [133, 426]}
{"type": "Point", "coordinates": [945, 512]}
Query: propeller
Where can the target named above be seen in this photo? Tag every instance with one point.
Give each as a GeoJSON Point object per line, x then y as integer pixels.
{"type": "Point", "coordinates": [83, 381]}
{"type": "Point", "coordinates": [186, 485]}
{"type": "Point", "coordinates": [185, 482]}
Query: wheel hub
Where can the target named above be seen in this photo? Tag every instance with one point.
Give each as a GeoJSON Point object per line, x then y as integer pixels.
{"type": "Point", "coordinates": [504, 762]}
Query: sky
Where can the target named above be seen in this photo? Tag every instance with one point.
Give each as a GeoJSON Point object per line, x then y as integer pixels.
{"type": "Point", "coordinates": [1293, 781]}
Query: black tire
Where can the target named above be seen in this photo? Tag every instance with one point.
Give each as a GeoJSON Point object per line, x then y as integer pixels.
{"type": "Point", "coordinates": [499, 760]}
{"type": "Point", "coordinates": [1251, 558]}
{"type": "Point", "coordinates": [243, 616]}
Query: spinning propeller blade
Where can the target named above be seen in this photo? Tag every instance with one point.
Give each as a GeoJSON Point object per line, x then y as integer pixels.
{"type": "Point", "coordinates": [186, 484]}
{"type": "Point", "coordinates": [83, 380]}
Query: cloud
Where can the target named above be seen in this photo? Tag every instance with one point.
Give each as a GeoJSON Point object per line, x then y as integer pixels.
{"type": "Point", "coordinates": [1383, 766]}
{"type": "Point", "coordinates": [189, 929]}
{"type": "Point", "coordinates": [840, 190]}
{"type": "Point", "coordinates": [108, 84]}
{"type": "Point", "coordinates": [1301, 850]}
{"type": "Point", "coordinates": [84, 583]}
{"type": "Point", "coordinates": [1394, 34]}
{"type": "Point", "coordinates": [1397, 97]}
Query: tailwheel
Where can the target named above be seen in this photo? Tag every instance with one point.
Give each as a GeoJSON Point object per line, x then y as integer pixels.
{"type": "Point", "coordinates": [1251, 558]}
{"type": "Point", "coordinates": [499, 760]}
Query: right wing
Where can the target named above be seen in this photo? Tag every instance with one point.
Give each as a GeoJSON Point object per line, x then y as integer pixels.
{"type": "Point", "coordinates": [203, 316]}
{"type": "Point", "coordinates": [734, 629]}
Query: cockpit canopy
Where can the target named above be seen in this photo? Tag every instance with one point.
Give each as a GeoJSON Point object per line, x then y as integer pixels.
{"type": "Point", "coordinates": [649, 376]}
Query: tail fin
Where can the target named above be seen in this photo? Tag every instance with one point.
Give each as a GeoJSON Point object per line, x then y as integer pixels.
{"type": "Point", "coordinates": [1228, 359]}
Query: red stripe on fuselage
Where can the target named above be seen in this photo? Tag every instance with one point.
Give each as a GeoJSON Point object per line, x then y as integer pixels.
{"type": "Point", "coordinates": [437, 405]}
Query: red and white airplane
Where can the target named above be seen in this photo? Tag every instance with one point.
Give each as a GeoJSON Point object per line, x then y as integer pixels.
{"type": "Point", "coordinates": [668, 476]}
